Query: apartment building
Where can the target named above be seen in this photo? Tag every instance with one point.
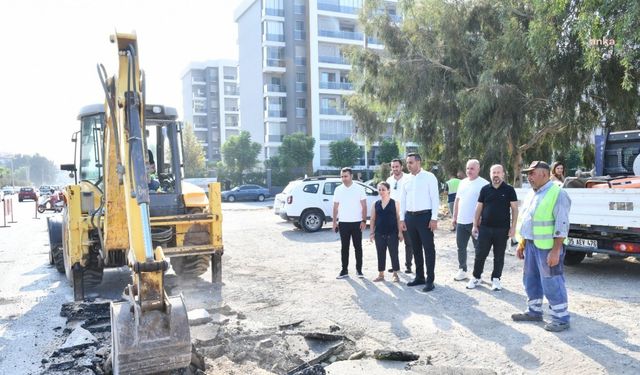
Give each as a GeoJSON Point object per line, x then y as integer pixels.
{"type": "Point", "coordinates": [293, 49]}
{"type": "Point", "coordinates": [211, 99]}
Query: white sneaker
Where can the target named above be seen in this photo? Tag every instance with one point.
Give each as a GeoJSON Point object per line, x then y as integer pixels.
{"type": "Point", "coordinates": [495, 284]}
{"type": "Point", "coordinates": [473, 283]}
{"type": "Point", "coordinates": [462, 275]}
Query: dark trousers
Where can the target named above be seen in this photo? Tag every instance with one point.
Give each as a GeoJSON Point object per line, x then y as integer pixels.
{"type": "Point", "coordinates": [488, 237]}
{"type": "Point", "coordinates": [422, 240]}
{"type": "Point", "coordinates": [408, 250]}
{"type": "Point", "coordinates": [350, 231]}
{"type": "Point", "coordinates": [390, 241]}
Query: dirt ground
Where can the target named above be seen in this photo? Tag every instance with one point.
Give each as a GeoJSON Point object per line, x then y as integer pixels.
{"type": "Point", "coordinates": [275, 275]}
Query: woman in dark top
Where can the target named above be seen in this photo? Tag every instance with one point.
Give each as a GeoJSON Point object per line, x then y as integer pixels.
{"type": "Point", "coordinates": [385, 224]}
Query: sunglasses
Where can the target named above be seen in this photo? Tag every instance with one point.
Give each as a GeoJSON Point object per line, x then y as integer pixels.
{"type": "Point", "coordinates": [395, 187]}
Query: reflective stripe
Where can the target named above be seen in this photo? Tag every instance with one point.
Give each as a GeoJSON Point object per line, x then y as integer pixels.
{"type": "Point", "coordinates": [535, 302]}
{"type": "Point", "coordinates": [544, 223]}
{"type": "Point", "coordinates": [559, 314]}
{"type": "Point", "coordinates": [559, 307]}
{"type": "Point", "coordinates": [535, 308]}
{"type": "Point", "coordinates": [542, 236]}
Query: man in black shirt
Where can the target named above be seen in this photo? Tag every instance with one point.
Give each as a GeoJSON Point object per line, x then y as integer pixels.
{"type": "Point", "coordinates": [495, 220]}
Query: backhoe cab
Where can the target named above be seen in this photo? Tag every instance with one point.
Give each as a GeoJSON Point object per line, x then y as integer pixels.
{"type": "Point", "coordinates": [130, 206]}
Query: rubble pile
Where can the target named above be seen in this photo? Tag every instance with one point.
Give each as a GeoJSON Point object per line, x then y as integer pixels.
{"type": "Point", "coordinates": [221, 339]}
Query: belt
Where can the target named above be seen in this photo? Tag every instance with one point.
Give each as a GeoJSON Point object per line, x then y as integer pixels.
{"type": "Point", "coordinates": [416, 213]}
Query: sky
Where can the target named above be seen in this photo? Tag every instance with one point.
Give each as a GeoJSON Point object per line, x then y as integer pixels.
{"type": "Point", "coordinates": [51, 48]}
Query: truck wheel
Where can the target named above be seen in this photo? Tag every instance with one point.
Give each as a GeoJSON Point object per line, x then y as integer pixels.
{"type": "Point", "coordinates": [58, 259]}
{"type": "Point", "coordinates": [312, 220]}
{"type": "Point", "coordinates": [297, 224]}
{"type": "Point", "coordinates": [193, 265]}
{"type": "Point", "coordinates": [190, 266]}
{"type": "Point", "coordinates": [572, 258]}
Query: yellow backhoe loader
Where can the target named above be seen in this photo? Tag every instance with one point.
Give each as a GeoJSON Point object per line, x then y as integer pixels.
{"type": "Point", "coordinates": [130, 208]}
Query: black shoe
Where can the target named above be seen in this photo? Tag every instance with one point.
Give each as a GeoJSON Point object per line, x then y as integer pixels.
{"type": "Point", "coordinates": [524, 317]}
{"type": "Point", "coordinates": [359, 274]}
{"type": "Point", "coordinates": [408, 270]}
{"type": "Point", "coordinates": [390, 270]}
{"type": "Point", "coordinates": [428, 287]}
{"type": "Point", "coordinates": [342, 275]}
{"type": "Point", "coordinates": [415, 282]}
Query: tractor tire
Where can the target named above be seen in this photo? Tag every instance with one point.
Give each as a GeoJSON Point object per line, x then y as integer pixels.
{"type": "Point", "coordinates": [58, 259]}
{"type": "Point", "coordinates": [573, 258]}
{"type": "Point", "coordinates": [190, 266]}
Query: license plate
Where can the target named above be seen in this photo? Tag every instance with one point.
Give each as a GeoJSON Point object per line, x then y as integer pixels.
{"type": "Point", "coordinates": [580, 242]}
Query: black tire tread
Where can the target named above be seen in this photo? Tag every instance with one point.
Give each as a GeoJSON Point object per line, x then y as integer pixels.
{"type": "Point", "coordinates": [58, 259]}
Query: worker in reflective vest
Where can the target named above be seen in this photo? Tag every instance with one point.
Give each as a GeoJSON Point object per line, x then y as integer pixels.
{"type": "Point", "coordinates": [541, 231]}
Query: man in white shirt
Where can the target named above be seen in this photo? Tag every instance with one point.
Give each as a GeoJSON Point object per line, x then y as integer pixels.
{"type": "Point", "coordinates": [464, 210]}
{"type": "Point", "coordinates": [419, 203]}
{"type": "Point", "coordinates": [396, 181]}
{"type": "Point", "coordinates": [350, 219]}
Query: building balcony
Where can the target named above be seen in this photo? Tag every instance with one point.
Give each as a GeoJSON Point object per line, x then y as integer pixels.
{"type": "Point", "coordinates": [274, 12]}
{"type": "Point", "coordinates": [273, 38]}
{"type": "Point", "coordinates": [372, 40]}
{"type": "Point", "coordinates": [274, 137]}
{"type": "Point", "coordinates": [232, 124]}
{"type": "Point", "coordinates": [334, 137]}
{"type": "Point", "coordinates": [337, 8]}
{"type": "Point", "coordinates": [299, 9]}
{"type": "Point", "coordinates": [235, 92]}
{"type": "Point", "coordinates": [274, 65]}
{"type": "Point", "coordinates": [275, 88]}
{"type": "Point", "coordinates": [301, 112]}
{"type": "Point", "coordinates": [301, 87]}
{"type": "Point", "coordinates": [336, 85]}
{"type": "Point", "coordinates": [350, 35]}
{"type": "Point", "coordinates": [231, 109]}
{"type": "Point", "coordinates": [301, 61]}
{"type": "Point", "coordinates": [333, 111]}
{"type": "Point", "coordinates": [300, 34]}
{"type": "Point", "coordinates": [276, 113]}
{"type": "Point", "coordinates": [333, 60]}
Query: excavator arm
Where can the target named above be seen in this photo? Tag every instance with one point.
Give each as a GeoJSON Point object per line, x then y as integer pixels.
{"type": "Point", "coordinates": [150, 331]}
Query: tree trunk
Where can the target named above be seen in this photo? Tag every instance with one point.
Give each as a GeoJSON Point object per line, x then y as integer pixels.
{"type": "Point", "coordinates": [515, 168]}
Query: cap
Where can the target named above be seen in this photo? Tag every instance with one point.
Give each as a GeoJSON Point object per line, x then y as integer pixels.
{"type": "Point", "coordinates": [537, 164]}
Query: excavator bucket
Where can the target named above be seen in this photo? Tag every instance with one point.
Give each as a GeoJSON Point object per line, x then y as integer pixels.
{"type": "Point", "coordinates": [151, 341]}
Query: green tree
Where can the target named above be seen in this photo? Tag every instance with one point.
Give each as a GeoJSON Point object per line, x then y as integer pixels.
{"type": "Point", "coordinates": [345, 153]}
{"type": "Point", "coordinates": [239, 154]}
{"type": "Point", "coordinates": [280, 175]}
{"type": "Point", "coordinates": [387, 151]}
{"type": "Point", "coordinates": [194, 157]}
{"type": "Point", "coordinates": [497, 80]}
{"type": "Point", "coordinates": [296, 152]}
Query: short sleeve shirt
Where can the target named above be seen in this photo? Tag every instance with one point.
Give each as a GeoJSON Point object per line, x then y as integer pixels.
{"type": "Point", "coordinates": [467, 196]}
{"type": "Point", "coordinates": [496, 205]}
{"type": "Point", "coordinates": [349, 202]}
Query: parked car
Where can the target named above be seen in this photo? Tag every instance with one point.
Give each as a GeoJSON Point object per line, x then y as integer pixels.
{"type": "Point", "coordinates": [308, 203]}
{"type": "Point", "coordinates": [246, 192]}
{"type": "Point", "coordinates": [8, 190]}
{"type": "Point", "coordinates": [27, 193]}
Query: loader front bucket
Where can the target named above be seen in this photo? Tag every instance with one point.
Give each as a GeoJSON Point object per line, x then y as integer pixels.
{"type": "Point", "coordinates": [151, 342]}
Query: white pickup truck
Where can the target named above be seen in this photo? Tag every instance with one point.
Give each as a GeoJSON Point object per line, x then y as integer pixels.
{"type": "Point", "coordinates": [602, 221]}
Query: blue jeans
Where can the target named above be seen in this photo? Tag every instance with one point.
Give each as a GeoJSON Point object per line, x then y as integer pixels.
{"type": "Point", "coordinates": [540, 281]}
